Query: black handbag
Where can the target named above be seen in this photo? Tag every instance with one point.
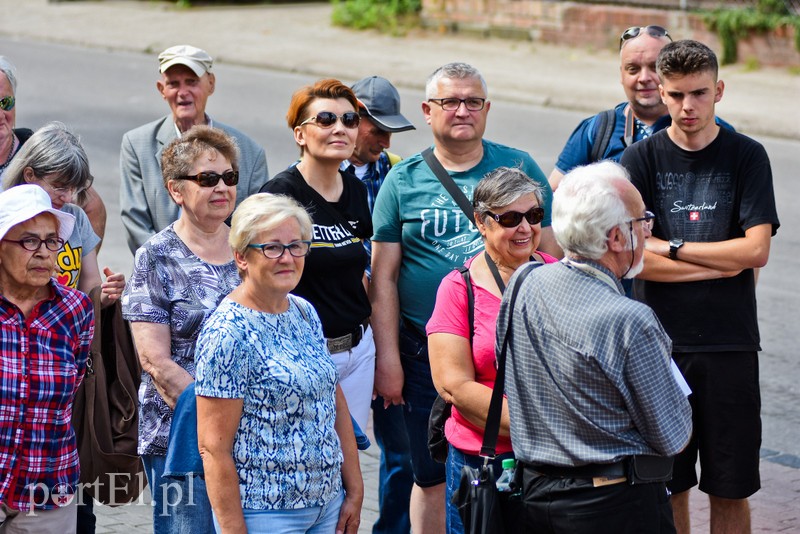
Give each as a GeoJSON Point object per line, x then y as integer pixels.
{"type": "Point", "coordinates": [484, 509]}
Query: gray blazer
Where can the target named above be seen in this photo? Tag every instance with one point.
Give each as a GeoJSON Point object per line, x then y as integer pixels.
{"type": "Point", "coordinates": [146, 207]}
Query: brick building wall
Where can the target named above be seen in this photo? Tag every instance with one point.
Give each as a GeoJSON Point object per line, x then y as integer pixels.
{"type": "Point", "coordinates": [594, 25]}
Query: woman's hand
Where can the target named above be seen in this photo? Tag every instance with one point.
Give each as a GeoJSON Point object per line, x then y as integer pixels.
{"type": "Point", "coordinates": [111, 289]}
{"type": "Point", "coordinates": [350, 514]}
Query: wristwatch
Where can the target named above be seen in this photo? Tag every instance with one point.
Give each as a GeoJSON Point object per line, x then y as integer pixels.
{"type": "Point", "coordinates": [674, 245]}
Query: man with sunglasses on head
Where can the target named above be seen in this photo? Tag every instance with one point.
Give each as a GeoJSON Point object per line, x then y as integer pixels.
{"type": "Point", "coordinates": [379, 107]}
{"type": "Point", "coordinates": [711, 190]}
{"type": "Point", "coordinates": [186, 83]}
{"type": "Point", "coordinates": [421, 234]}
{"type": "Point", "coordinates": [605, 135]}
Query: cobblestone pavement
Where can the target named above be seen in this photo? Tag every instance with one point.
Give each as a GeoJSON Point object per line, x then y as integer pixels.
{"type": "Point", "coordinates": [776, 508]}
{"type": "Point", "coordinates": [137, 518]}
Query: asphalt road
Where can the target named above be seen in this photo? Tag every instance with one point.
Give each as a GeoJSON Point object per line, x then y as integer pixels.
{"type": "Point", "coordinates": [102, 94]}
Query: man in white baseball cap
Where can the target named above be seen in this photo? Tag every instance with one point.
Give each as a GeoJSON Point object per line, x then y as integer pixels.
{"type": "Point", "coordinates": [186, 83]}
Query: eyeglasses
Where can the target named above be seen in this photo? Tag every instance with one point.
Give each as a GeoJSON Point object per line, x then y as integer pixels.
{"type": "Point", "coordinates": [647, 221]}
{"type": "Point", "coordinates": [70, 191]}
{"type": "Point", "coordinates": [452, 104]}
{"type": "Point", "coordinates": [33, 243]}
{"type": "Point", "coordinates": [326, 119]}
{"type": "Point", "coordinates": [634, 31]}
{"type": "Point", "coordinates": [512, 219]}
{"type": "Point", "coordinates": [7, 103]}
{"type": "Point", "coordinates": [211, 179]}
{"type": "Point", "coordinates": [273, 251]}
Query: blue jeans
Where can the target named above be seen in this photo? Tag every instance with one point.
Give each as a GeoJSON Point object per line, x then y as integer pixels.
{"type": "Point", "coordinates": [455, 461]}
{"type": "Point", "coordinates": [179, 506]}
{"type": "Point", "coordinates": [314, 520]}
{"type": "Point", "coordinates": [395, 477]}
{"type": "Point", "coordinates": [419, 394]}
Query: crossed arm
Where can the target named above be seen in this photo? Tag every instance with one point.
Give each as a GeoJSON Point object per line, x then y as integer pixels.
{"type": "Point", "coordinates": [707, 261]}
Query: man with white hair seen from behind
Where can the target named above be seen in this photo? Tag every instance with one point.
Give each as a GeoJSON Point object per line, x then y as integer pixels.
{"type": "Point", "coordinates": [596, 414]}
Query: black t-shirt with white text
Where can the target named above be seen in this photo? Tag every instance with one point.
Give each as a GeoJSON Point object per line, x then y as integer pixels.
{"type": "Point", "coordinates": [332, 279]}
{"type": "Point", "coordinates": [710, 195]}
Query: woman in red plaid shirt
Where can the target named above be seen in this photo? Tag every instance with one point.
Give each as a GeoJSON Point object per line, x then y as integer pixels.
{"type": "Point", "coordinates": [45, 333]}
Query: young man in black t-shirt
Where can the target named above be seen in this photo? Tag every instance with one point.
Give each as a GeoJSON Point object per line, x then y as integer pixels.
{"type": "Point", "coordinates": [711, 190]}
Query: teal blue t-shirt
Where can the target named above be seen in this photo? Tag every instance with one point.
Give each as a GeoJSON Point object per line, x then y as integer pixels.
{"type": "Point", "coordinates": [414, 209]}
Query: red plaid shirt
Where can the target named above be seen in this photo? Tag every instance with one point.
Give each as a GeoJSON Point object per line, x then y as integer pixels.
{"type": "Point", "coordinates": [42, 361]}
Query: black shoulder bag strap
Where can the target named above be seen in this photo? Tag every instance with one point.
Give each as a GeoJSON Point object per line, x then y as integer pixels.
{"type": "Point", "coordinates": [470, 301]}
{"type": "Point", "coordinates": [603, 130]}
{"type": "Point", "coordinates": [449, 184]}
{"type": "Point", "coordinates": [492, 429]}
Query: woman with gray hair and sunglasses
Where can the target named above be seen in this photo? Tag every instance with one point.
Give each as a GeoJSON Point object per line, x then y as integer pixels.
{"type": "Point", "coordinates": [508, 214]}
{"type": "Point", "coordinates": [179, 277]}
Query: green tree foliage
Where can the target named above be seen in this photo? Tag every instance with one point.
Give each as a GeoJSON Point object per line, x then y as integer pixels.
{"type": "Point", "coordinates": [734, 24]}
{"type": "Point", "coordinates": [391, 16]}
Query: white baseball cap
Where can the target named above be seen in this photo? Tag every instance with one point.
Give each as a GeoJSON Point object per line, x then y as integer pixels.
{"type": "Point", "coordinates": [196, 59]}
{"type": "Point", "coordinates": [24, 202]}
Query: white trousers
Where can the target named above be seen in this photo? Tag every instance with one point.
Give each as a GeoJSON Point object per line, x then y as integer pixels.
{"type": "Point", "coordinates": [356, 376]}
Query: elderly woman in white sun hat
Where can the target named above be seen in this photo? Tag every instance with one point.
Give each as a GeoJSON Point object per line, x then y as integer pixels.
{"type": "Point", "coordinates": [45, 333]}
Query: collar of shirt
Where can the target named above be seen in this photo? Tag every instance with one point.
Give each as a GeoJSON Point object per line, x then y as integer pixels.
{"type": "Point", "coordinates": [209, 122]}
{"type": "Point", "coordinates": [597, 271]}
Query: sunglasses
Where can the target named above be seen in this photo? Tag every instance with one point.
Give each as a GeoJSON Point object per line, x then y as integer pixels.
{"type": "Point", "coordinates": [634, 31]}
{"type": "Point", "coordinates": [7, 103]}
{"type": "Point", "coordinates": [326, 119]}
{"type": "Point", "coordinates": [211, 179]}
{"type": "Point", "coordinates": [512, 219]}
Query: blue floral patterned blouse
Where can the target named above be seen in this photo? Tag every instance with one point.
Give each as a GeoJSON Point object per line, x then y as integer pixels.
{"type": "Point", "coordinates": [170, 285]}
{"type": "Point", "coordinates": [286, 451]}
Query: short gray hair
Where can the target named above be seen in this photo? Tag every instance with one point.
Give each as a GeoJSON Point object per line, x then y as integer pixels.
{"type": "Point", "coordinates": [453, 71]}
{"type": "Point", "coordinates": [10, 72]}
{"type": "Point", "coordinates": [52, 149]}
{"type": "Point", "coordinates": [263, 212]}
{"type": "Point", "coordinates": [586, 206]}
{"type": "Point", "coordinates": [501, 187]}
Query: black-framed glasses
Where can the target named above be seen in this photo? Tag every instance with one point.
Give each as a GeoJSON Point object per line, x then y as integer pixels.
{"type": "Point", "coordinates": [275, 250]}
{"type": "Point", "coordinates": [211, 179]}
{"type": "Point", "coordinates": [634, 31]}
{"type": "Point", "coordinates": [326, 119]}
{"type": "Point", "coordinates": [33, 243]}
{"type": "Point", "coordinates": [647, 221]}
{"type": "Point", "coordinates": [7, 103]}
{"type": "Point", "coordinates": [452, 104]}
{"type": "Point", "coordinates": [512, 219]}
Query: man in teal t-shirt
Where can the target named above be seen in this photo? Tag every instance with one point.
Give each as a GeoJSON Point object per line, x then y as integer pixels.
{"type": "Point", "coordinates": [421, 234]}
